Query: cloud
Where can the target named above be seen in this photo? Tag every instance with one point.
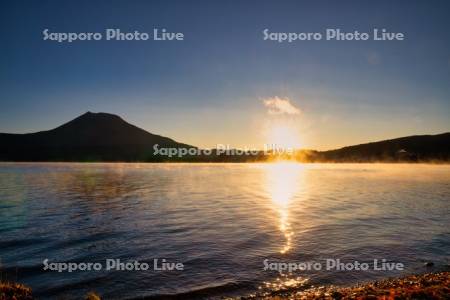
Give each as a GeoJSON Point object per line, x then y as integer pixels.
{"type": "Point", "coordinates": [279, 106]}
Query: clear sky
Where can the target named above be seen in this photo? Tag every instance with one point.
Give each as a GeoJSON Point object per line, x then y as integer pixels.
{"type": "Point", "coordinates": [217, 84]}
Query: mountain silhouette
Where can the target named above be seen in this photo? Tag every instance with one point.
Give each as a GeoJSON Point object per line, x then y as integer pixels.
{"type": "Point", "coordinates": [411, 148]}
{"type": "Point", "coordinates": [89, 137]}
{"type": "Point", "coordinates": [107, 137]}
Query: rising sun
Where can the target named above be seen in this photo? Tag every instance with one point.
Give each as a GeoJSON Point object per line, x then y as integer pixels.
{"type": "Point", "coordinates": [283, 135]}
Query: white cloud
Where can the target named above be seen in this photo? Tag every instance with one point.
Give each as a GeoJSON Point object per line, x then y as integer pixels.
{"type": "Point", "coordinates": [278, 106]}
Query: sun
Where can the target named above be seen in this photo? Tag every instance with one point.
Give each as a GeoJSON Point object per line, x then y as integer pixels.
{"type": "Point", "coordinates": [283, 135]}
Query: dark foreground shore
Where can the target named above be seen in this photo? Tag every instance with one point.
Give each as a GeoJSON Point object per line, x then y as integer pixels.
{"type": "Point", "coordinates": [426, 286]}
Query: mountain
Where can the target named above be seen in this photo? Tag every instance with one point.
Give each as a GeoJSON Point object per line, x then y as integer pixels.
{"type": "Point", "coordinates": [107, 137]}
{"type": "Point", "coordinates": [90, 137]}
{"type": "Point", "coordinates": [411, 148]}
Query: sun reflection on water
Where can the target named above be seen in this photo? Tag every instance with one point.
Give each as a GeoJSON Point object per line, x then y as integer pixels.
{"type": "Point", "coordinates": [283, 179]}
{"type": "Point", "coordinates": [283, 282]}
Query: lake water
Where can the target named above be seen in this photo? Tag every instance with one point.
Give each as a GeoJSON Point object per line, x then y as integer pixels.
{"type": "Point", "coordinates": [221, 221]}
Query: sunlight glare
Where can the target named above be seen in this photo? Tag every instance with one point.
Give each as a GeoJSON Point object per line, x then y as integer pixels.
{"type": "Point", "coordinates": [283, 135]}
{"type": "Point", "coordinates": [282, 182]}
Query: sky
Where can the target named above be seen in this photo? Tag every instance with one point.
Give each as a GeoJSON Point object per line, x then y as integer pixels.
{"type": "Point", "coordinates": [225, 84]}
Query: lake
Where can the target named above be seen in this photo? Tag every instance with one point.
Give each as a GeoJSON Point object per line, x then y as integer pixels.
{"type": "Point", "coordinates": [222, 222]}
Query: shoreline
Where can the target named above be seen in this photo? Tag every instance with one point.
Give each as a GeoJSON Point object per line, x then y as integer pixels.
{"type": "Point", "coordinates": [438, 163]}
{"type": "Point", "coordinates": [424, 286]}
{"type": "Point", "coordinates": [421, 286]}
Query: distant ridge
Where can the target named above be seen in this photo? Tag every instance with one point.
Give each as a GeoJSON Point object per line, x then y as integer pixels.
{"type": "Point", "coordinates": [89, 137]}
{"type": "Point", "coordinates": [107, 137]}
{"type": "Point", "coordinates": [410, 148]}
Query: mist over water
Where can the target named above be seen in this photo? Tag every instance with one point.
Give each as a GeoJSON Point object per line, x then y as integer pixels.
{"type": "Point", "coordinates": [220, 220]}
